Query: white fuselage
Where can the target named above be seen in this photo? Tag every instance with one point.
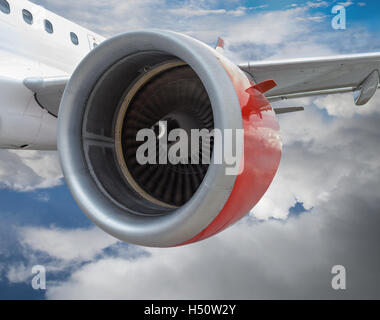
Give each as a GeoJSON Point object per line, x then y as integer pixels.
{"type": "Point", "coordinates": [28, 50]}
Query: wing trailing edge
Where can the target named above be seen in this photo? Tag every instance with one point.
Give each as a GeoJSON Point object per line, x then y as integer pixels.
{"type": "Point", "coordinates": [358, 73]}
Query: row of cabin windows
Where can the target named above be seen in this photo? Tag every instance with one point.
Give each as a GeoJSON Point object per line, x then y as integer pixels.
{"type": "Point", "coordinates": [28, 18]}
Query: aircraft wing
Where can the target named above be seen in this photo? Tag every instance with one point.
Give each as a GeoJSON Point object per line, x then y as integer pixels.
{"type": "Point", "coordinates": [357, 73]}
{"type": "Point", "coordinates": [295, 78]}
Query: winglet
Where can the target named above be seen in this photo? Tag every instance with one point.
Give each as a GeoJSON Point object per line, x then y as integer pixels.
{"type": "Point", "coordinates": [262, 86]}
{"type": "Point", "coordinates": [367, 89]}
{"type": "Point", "coordinates": [220, 45]}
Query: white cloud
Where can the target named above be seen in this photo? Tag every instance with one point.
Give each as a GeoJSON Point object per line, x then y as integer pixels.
{"type": "Point", "coordinates": [197, 12]}
{"type": "Point", "coordinates": [268, 28]}
{"type": "Point", "coordinates": [18, 273]}
{"type": "Point", "coordinates": [308, 170]}
{"type": "Point", "coordinates": [343, 105]}
{"type": "Point", "coordinates": [111, 17]}
{"type": "Point", "coordinates": [346, 3]}
{"type": "Point", "coordinates": [319, 4]}
{"type": "Point", "coordinates": [78, 245]}
{"type": "Point", "coordinates": [29, 170]}
{"type": "Point", "coordinates": [319, 18]}
{"type": "Point", "coordinates": [57, 250]}
{"type": "Point", "coordinates": [42, 197]}
{"type": "Point", "coordinates": [269, 260]}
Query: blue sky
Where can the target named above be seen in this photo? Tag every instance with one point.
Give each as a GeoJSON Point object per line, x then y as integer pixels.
{"type": "Point", "coordinates": [321, 210]}
{"type": "Point", "coordinates": [40, 208]}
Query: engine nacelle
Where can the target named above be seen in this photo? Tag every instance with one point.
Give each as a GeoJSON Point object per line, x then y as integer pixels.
{"type": "Point", "coordinates": [133, 81]}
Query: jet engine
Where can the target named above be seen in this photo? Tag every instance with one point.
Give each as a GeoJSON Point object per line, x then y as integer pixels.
{"type": "Point", "coordinates": [139, 80]}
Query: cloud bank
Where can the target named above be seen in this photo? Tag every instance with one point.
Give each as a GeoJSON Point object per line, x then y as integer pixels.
{"type": "Point", "coordinates": [330, 165]}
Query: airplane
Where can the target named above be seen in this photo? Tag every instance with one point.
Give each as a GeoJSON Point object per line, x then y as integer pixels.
{"type": "Point", "coordinates": [67, 88]}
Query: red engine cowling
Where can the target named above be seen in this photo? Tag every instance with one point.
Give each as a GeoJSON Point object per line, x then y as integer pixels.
{"type": "Point", "coordinates": [135, 80]}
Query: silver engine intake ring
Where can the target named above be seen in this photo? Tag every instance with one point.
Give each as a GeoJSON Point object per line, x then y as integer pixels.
{"type": "Point", "coordinates": [92, 136]}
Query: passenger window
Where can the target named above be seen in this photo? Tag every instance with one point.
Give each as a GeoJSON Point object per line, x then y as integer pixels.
{"type": "Point", "coordinates": [74, 38]}
{"type": "Point", "coordinates": [28, 17]}
{"type": "Point", "coordinates": [48, 26]}
{"type": "Point", "coordinates": [4, 7]}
